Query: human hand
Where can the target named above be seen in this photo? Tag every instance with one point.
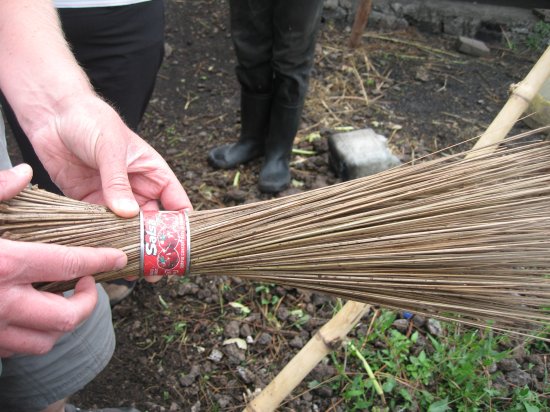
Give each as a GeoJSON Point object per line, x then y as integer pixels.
{"type": "Point", "coordinates": [32, 321]}
{"type": "Point", "coordinates": [93, 156]}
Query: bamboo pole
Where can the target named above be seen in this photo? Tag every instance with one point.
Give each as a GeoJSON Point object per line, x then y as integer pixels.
{"type": "Point", "coordinates": [361, 18]}
{"type": "Point", "coordinates": [327, 339]}
{"type": "Point", "coordinates": [331, 335]}
{"type": "Point", "coordinates": [521, 95]}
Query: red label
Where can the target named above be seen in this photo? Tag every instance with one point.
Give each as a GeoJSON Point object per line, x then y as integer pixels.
{"type": "Point", "coordinates": [164, 243]}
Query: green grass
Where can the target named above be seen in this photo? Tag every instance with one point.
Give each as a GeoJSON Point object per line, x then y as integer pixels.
{"type": "Point", "coordinates": [539, 38]}
{"type": "Point", "coordinates": [447, 373]}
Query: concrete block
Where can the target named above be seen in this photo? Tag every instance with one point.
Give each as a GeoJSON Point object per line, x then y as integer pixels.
{"type": "Point", "coordinates": [359, 153]}
{"type": "Point", "coordinates": [472, 47]}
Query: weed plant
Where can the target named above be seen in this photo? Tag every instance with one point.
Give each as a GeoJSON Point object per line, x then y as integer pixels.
{"type": "Point", "coordinates": [452, 372]}
{"type": "Point", "coordinates": [539, 38]}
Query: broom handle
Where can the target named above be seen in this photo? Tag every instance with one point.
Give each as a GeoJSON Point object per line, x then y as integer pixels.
{"type": "Point", "coordinates": [327, 339]}
{"type": "Point", "coordinates": [334, 331]}
{"type": "Point", "coordinates": [518, 102]}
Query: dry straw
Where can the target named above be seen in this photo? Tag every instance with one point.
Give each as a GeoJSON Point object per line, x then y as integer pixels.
{"type": "Point", "coordinates": [334, 331]}
{"type": "Point", "coordinates": [454, 238]}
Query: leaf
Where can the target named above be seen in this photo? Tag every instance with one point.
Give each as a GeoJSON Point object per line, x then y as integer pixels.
{"type": "Point", "coordinates": [245, 310]}
{"type": "Point", "coordinates": [236, 179]}
{"type": "Point", "coordinates": [304, 152]}
{"type": "Point", "coordinates": [530, 408]}
{"type": "Point", "coordinates": [389, 385]}
{"type": "Point", "coordinates": [313, 384]}
{"type": "Point", "coordinates": [241, 343]}
{"type": "Point", "coordinates": [353, 393]}
{"type": "Point", "coordinates": [440, 406]}
{"type": "Point", "coordinates": [313, 136]}
{"type": "Point", "coordinates": [405, 394]}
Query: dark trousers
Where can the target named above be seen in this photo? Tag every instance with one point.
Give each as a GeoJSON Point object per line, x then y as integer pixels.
{"type": "Point", "coordinates": [274, 43]}
{"type": "Point", "coordinates": [121, 50]}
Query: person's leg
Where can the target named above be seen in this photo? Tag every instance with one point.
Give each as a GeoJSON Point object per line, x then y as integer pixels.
{"type": "Point", "coordinates": [121, 49]}
{"type": "Point", "coordinates": [252, 40]}
{"type": "Point", "coordinates": [35, 383]}
{"type": "Point", "coordinates": [296, 24]}
{"type": "Point", "coordinates": [5, 162]}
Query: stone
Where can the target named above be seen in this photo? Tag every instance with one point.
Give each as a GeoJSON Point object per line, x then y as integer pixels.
{"type": "Point", "coordinates": [232, 329]}
{"type": "Point", "coordinates": [401, 325]}
{"type": "Point", "coordinates": [419, 321]}
{"type": "Point", "coordinates": [296, 342]}
{"type": "Point", "coordinates": [518, 378]}
{"type": "Point", "coordinates": [245, 331]}
{"type": "Point", "coordinates": [264, 339]}
{"type": "Point", "coordinates": [235, 355]}
{"type": "Point", "coordinates": [190, 378]}
{"type": "Point", "coordinates": [323, 372]}
{"type": "Point", "coordinates": [359, 153]}
{"type": "Point", "coordinates": [215, 356]}
{"type": "Point", "coordinates": [472, 47]}
{"type": "Point", "coordinates": [245, 374]}
{"type": "Point", "coordinates": [434, 327]}
{"type": "Point", "coordinates": [508, 365]}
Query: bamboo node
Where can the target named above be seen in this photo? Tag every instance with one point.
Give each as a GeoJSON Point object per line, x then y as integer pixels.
{"type": "Point", "coordinates": [330, 343]}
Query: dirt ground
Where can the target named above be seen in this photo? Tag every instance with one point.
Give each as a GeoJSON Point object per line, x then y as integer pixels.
{"type": "Point", "coordinates": [412, 87]}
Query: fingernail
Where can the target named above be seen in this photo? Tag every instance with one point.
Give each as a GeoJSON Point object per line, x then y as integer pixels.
{"type": "Point", "coordinates": [127, 207]}
{"type": "Point", "coordinates": [121, 262]}
{"type": "Point", "coordinates": [22, 169]}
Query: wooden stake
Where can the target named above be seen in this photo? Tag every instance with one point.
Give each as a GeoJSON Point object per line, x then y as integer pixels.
{"type": "Point", "coordinates": [521, 96]}
{"type": "Point", "coordinates": [327, 339]}
{"type": "Point", "coordinates": [361, 17]}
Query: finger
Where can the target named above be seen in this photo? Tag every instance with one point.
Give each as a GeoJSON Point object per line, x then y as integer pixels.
{"type": "Point", "coordinates": [153, 278]}
{"type": "Point", "coordinates": [50, 312]}
{"type": "Point", "coordinates": [27, 263]}
{"type": "Point", "coordinates": [174, 197]}
{"type": "Point", "coordinates": [14, 180]}
{"type": "Point", "coordinates": [153, 178]}
{"type": "Point", "coordinates": [151, 205]}
{"type": "Point", "coordinates": [112, 163]}
{"type": "Point", "coordinates": [15, 339]}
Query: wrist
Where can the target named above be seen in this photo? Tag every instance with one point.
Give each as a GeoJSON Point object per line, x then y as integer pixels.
{"type": "Point", "coordinates": [39, 107]}
{"type": "Point", "coordinates": [38, 69]}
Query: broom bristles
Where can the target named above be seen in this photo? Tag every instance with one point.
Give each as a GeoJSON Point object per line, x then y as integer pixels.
{"type": "Point", "coordinates": [458, 239]}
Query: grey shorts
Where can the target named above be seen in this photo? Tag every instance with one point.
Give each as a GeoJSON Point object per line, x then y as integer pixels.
{"type": "Point", "coordinates": [31, 383]}
{"type": "Point", "coordinates": [5, 162]}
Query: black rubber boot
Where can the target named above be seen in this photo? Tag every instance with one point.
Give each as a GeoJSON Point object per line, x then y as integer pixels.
{"type": "Point", "coordinates": [275, 173]}
{"type": "Point", "coordinates": [255, 111]}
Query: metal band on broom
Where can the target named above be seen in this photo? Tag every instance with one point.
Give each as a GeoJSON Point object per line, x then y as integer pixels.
{"type": "Point", "coordinates": [464, 239]}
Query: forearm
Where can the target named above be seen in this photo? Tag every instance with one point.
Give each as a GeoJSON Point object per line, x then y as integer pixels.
{"type": "Point", "coordinates": [37, 69]}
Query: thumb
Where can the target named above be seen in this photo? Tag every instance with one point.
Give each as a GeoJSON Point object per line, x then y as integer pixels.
{"type": "Point", "coordinates": [111, 161]}
{"type": "Point", "coordinates": [14, 180]}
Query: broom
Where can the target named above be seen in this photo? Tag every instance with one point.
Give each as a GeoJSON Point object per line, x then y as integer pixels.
{"type": "Point", "coordinates": [334, 331]}
{"type": "Point", "coordinates": [463, 239]}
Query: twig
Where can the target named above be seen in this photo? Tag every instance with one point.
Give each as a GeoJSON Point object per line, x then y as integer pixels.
{"type": "Point", "coordinates": [411, 43]}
